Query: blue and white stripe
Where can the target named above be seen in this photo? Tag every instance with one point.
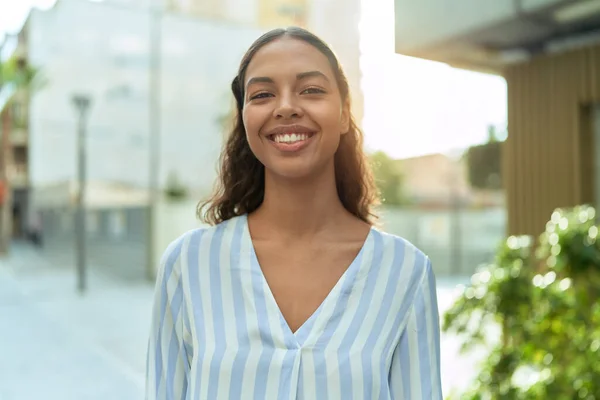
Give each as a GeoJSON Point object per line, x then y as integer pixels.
{"type": "Point", "coordinates": [217, 332]}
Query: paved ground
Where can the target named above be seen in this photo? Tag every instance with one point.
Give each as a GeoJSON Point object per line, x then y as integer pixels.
{"type": "Point", "coordinates": [58, 345]}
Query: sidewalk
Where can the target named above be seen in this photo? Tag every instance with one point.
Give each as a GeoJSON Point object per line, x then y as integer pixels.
{"type": "Point", "coordinates": [58, 345]}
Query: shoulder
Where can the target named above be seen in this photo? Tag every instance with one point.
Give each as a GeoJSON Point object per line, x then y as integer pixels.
{"type": "Point", "coordinates": [174, 250]}
{"type": "Point", "coordinates": [404, 253]}
{"type": "Point", "coordinates": [189, 243]}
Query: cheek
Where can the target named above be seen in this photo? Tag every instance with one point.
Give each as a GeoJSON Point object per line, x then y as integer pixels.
{"type": "Point", "coordinates": [331, 122]}
{"type": "Point", "coordinates": [249, 126]}
{"type": "Point", "coordinates": [253, 121]}
{"type": "Point", "coordinates": [252, 127]}
{"type": "Point", "coordinates": [329, 116]}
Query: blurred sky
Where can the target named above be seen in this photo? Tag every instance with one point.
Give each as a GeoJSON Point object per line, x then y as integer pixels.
{"type": "Point", "coordinates": [412, 106]}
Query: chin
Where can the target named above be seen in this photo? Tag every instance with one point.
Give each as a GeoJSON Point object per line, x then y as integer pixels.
{"type": "Point", "coordinates": [299, 168]}
{"type": "Point", "coordinates": [292, 171]}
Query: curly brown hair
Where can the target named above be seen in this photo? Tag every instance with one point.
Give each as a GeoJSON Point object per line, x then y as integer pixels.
{"type": "Point", "coordinates": [241, 183]}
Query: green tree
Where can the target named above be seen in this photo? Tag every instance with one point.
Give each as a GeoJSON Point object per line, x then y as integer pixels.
{"type": "Point", "coordinates": [175, 189]}
{"type": "Point", "coordinates": [484, 162]}
{"type": "Point", "coordinates": [545, 298]}
{"type": "Point", "coordinates": [16, 71]}
{"type": "Point", "coordinates": [389, 179]}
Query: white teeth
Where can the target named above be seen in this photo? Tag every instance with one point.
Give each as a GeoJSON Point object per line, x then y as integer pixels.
{"type": "Point", "coordinates": [290, 138]}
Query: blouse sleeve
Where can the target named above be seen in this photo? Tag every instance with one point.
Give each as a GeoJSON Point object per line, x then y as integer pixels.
{"type": "Point", "coordinates": [167, 369]}
{"type": "Point", "coordinates": [415, 370]}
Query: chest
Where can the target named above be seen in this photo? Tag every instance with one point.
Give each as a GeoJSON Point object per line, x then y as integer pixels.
{"type": "Point", "coordinates": [301, 278]}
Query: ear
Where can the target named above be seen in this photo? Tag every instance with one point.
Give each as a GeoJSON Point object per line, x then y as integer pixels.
{"type": "Point", "coordinates": [345, 118]}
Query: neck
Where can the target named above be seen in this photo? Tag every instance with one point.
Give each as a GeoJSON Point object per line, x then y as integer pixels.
{"type": "Point", "coordinates": [301, 207]}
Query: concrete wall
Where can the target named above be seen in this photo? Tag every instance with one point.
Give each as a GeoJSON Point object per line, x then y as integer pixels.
{"type": "Point", "coordinates": [456, 243]}
{"type": "Point", "coordinates": [116, 240]}
{"type": "Point", "coordinates": [116, 236]}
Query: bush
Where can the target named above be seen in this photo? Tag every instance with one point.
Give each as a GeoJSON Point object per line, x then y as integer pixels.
{"type": "Point", "coordinates": [174, 189]}
{"type": "Point", "coordinates": [389, 180]}
{"type": "Point", "coordinates": [546, 303]}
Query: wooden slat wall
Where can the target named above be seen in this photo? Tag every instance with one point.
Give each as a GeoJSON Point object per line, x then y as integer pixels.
{"type": "Point", "coordinates": [548, 156]}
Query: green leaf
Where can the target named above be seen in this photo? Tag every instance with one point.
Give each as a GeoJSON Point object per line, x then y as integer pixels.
{"type": "Point", "coordinates": [547, 304]}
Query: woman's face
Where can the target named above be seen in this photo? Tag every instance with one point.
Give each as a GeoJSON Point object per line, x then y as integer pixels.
{"type": "Point", "coordinates": [293, 112]}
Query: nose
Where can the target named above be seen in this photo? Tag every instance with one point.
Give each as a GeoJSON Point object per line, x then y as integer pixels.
{"type": "Point", "coordinates": [287, 107]}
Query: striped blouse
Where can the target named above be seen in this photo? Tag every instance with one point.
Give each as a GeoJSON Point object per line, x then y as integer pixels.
{"type": "Point", "coordinates": [217, 332]}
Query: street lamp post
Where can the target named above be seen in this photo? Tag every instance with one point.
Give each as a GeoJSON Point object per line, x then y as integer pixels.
{"type": "Point", "coordinates": [82, 104]}
{"type": "Point", "coordinates": [155, 36]}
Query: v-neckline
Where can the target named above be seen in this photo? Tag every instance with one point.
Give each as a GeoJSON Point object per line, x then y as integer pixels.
{"type": "Point", "coordinates": [345, 281]}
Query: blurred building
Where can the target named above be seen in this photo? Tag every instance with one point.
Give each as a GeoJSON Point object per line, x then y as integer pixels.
{"type": "Point", "coordinates": [103, 50]}
{"type": "Point", "coordinates": [434, 181]}
{"type": "Point", "coordinates": [549, 53]}
{"type": "Point", "coordinates": [262, 13]}
{"type": "Point", "coordinates": [14, 151]}
{"type": "Point", "coordinates": [440, 182]}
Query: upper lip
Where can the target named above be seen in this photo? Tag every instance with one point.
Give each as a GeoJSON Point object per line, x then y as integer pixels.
{"type": "Point", "coordinates": [295, 128]}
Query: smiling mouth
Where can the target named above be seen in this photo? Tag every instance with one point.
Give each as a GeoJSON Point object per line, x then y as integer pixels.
{"type": "Point", "coordinates": [290, 138]}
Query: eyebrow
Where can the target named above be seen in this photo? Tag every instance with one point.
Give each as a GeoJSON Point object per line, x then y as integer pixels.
{"type": "Point", "coordinates": [311, 74]}
{"type": "Point", "coordinates": [300, 76]}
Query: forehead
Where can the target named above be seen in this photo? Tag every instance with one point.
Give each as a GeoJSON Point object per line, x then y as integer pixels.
{"type": "Point", "coordinates": [287, 55]}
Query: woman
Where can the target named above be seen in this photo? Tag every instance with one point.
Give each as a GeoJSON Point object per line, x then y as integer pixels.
{"type": "Point", "coordinates": [292, 294]}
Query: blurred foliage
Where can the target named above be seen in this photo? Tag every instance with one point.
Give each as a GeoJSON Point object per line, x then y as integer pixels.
{"type": "Point", "coordinates": [175, 190]}
{"type": "Point", "coordinates": [545, 303]}
{"type": "Point", "coordinates": [484, 162]}
{"type": "Point", "coordinates": [16, 70]}
{"type": "Point", "coordinates": [389, 179]}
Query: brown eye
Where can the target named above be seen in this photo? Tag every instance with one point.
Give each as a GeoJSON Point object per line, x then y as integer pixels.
{"type": "Point", "coordinates": [262, 95]}
{"type": "Point", "coordinates": [313, 90]}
